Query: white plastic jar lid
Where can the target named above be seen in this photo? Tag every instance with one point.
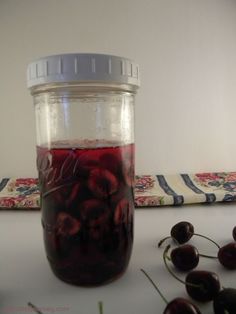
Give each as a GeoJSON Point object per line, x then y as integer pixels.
{"type": "Point", "coordinates": [84, 68]}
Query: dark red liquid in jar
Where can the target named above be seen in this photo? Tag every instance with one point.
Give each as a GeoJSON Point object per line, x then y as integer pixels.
{"type": "Point", "coordinates": [87, 210]}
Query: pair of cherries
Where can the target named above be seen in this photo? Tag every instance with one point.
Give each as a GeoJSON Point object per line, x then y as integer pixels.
{"type": "Point", "coordinates": [202, 286]}
{"type": "Point", "coordinates": [186, 257]}
{"type": "Point", "coordinates": [224, 301]}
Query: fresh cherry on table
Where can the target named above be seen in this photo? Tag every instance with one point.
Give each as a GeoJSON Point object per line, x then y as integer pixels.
{"type": "Point", "coordinates": [202, 286]}
{"type": "Point", "coordinates": [185, 257]}
{"type": "Point", "coordinates": [234, 233]}
{"type": "Point", "coordinates": [227, 256]}
{"type": "Point", "coordinates": [225, 302]}
{"type": "Point", "coordinates": [176, 306]}
{"type": "Point", "coordinates": [181, 306]}
{"type": "Point", "coordinates": [182, 232]}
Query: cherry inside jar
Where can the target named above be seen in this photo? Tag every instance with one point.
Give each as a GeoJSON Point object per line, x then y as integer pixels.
{"type": "Point", "coordinates": [87, 210]}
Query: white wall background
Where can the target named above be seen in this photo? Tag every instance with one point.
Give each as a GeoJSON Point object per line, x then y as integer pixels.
{"type": "Point", "coordinates": [186, 108]}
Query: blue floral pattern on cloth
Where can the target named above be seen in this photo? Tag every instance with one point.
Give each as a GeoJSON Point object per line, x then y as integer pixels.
{"type": "Point", "coordinates": [150, 190]}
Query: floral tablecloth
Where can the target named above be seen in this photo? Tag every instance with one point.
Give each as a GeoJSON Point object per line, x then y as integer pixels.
{"type": "Point", "coordinates": [19, 193]}
{"type": "Point", "coordinates": [150, 190]}
{"type": "Point", "coordinates": [181, 189]}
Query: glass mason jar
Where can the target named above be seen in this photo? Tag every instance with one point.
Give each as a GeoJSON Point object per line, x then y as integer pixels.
{"type": "Point", "coordinates": [84, 105]}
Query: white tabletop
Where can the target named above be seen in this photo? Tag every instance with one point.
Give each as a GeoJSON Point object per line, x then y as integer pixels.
{"type": "Point", "coordinates": [25, 274]}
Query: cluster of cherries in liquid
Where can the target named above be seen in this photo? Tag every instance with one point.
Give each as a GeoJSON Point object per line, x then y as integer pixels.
{"type": "Point", "coordinates": [202, 286]}
{"type": "Point", "coordinates": [87, 209]}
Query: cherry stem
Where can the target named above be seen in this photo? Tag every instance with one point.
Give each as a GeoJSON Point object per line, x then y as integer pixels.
{"type": "Point", "coordinates": [202, 236]}
{"type": "Point", "coordinates": [197, 234]}
{"type": "Point", "coordinates": [166, 238]}
{"type": "Point", "coordinates": [163, 240]}
{"type": "Point", "coordinates": [207, 256]}
{"type": "Point", "coordinates": [34, 308]}
{"type": "Point", "coordinates": [172, 273]}
{"type": "Point", "coordinates": [154, 285]}
{"type": "Point", "coordinates": [100, 306]}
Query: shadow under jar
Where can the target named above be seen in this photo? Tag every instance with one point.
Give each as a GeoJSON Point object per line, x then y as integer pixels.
{"type": "Point", "coordinates": [84, 105]}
